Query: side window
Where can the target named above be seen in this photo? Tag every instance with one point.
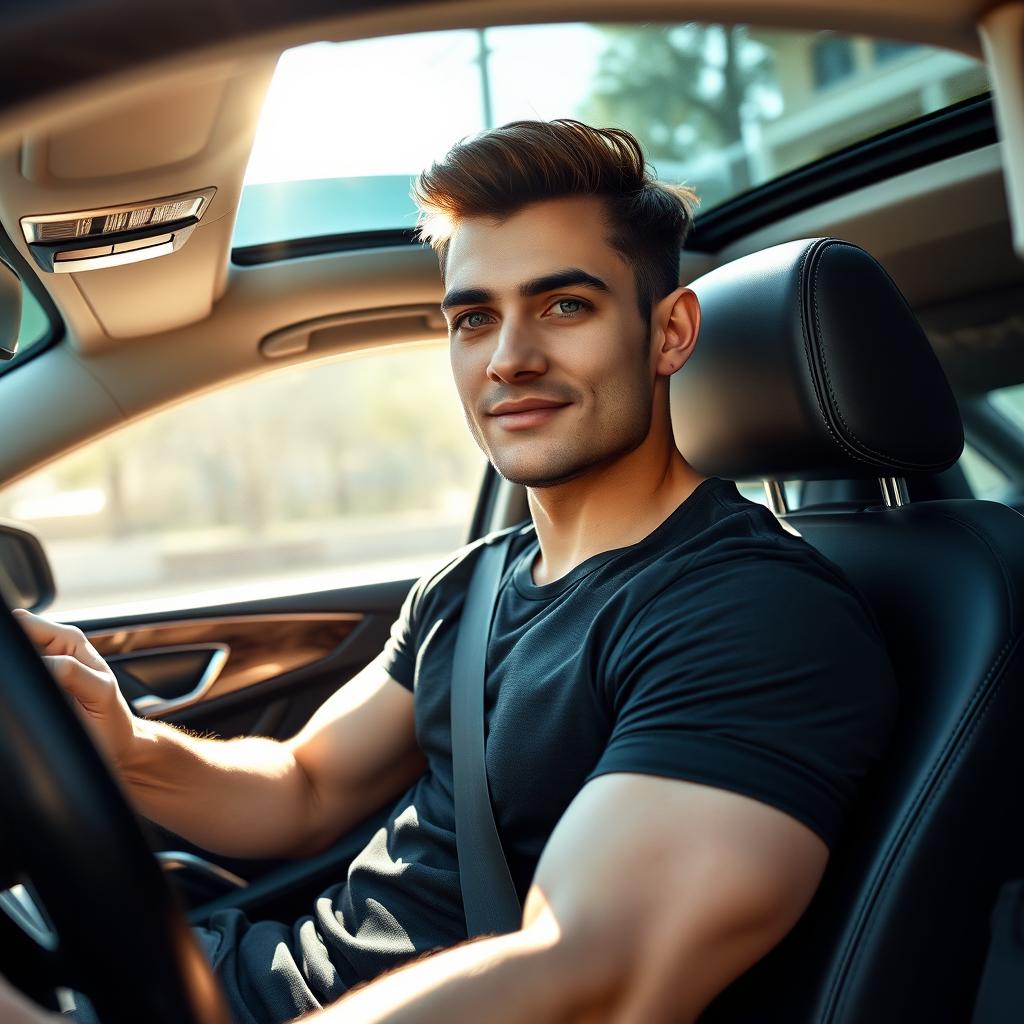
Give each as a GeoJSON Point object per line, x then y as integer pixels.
{"type": "Point", "coordinates": [35, 324]}
{"type": "Point", "coordinates": [985, 479]}
{"type": "Point", "coordinates": [349, 471]}
{"type": "Point", "coordinates": [34, 327]}
{"type": "Point", "coordinates": [754, 490]}
{"type": "Point", "coordinates": [833, 59]}
{"type": "Point", "coordinates": [1009, 402]}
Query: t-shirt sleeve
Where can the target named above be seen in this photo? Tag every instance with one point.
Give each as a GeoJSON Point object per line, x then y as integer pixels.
{"type": "Point", "coordinates": [398, 658]}
{"type": "Point", "coordinates": [767, 678]}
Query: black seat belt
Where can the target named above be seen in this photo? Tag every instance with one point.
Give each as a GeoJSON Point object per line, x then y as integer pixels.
{"type": "Point", "coordinates": [489, 898]}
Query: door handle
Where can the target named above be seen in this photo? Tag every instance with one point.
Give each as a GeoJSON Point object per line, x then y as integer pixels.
{"type": "Point", "coordinates": [159, 680]}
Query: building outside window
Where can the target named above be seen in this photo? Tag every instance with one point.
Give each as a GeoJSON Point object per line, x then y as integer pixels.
{"type": "Point", "coordinates": [833, 60]}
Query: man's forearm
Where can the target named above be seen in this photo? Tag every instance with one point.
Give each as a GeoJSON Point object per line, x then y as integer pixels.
{"type": "Point", "coordinates": [526, 976]}
{"type": "Point", "coordinates": [241, 798]}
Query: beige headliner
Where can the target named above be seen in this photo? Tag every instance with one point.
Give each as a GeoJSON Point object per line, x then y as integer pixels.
{"type": "Point", "coordinates": [148, 334]}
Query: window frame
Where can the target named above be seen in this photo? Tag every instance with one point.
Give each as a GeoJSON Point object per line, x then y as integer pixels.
{"type": "Point", "coordinates": [31, 283]}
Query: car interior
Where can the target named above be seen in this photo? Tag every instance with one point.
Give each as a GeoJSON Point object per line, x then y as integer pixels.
{"type": "Point", "coordinates": [859, 371]}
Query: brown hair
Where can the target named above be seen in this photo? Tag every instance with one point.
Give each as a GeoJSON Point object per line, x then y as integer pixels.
{"type": "Point", "coordinates": [500, 171]}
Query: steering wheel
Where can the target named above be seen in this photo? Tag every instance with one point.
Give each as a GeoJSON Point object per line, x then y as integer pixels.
{"type": "Point", "coordinates": [107, 924]}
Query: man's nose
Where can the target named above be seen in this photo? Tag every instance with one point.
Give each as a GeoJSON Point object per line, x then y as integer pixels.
{"type": "Point", "coordinates": [518, 357]}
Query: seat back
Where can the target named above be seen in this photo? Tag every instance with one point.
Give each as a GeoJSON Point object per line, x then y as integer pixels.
{"type": "Point", "coordinates": [810, 365]}
{"type": "Point", "coordinates": [898, 930]}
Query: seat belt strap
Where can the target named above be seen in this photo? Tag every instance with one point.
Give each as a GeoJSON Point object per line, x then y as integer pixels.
{"type": "Point", "coordinates": [489, 897]}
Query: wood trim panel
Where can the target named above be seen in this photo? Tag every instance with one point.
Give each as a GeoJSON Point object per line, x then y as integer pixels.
{"type": "Point", "coordinates": [260, 646]}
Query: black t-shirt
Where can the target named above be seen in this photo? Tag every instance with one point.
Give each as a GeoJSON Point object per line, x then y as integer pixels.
{"type": "Point", "coordinates": [720, 649]}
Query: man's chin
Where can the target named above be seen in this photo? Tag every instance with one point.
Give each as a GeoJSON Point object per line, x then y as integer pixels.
{"type": "Point", "coordinates": [541, 476]}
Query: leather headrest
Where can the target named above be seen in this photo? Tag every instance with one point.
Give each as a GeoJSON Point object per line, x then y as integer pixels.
{"type": "Point", "coordinates": [810, 364]}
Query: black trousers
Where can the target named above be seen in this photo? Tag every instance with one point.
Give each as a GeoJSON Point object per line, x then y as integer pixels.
{"type": "Point", "coordinates": [257, 971]}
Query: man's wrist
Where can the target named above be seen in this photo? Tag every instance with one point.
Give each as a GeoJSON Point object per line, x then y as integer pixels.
{"type": "Point", "coordinates": [137, 762]}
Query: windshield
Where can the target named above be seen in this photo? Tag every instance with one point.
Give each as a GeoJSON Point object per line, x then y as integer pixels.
{"type": "Point", "coordinates": [346, 126]}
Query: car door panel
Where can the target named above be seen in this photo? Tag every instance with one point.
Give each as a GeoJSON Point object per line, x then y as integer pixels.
{"type": "Point", "coordinates": [179, 664]}
{"type": "Point", "coordinates": [289, 652]}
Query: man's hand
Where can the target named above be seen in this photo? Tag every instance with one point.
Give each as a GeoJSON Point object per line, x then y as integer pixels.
{"type": "Point", "coordinates": [79, 669]}
{"type": "Point", "coordinates": [16, 1009]}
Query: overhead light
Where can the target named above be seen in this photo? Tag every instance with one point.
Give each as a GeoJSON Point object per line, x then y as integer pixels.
{"type": "Point", "coordinates": [63, 243]}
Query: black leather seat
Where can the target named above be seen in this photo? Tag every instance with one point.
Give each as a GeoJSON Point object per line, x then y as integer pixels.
{"type": "Point", "coordinates": [810, 365]}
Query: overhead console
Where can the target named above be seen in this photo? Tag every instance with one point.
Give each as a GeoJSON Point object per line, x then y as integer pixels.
{"type": "Point", "coordinates": [94, 239]}
{"type": "Point", "coordinates": [127, 205]}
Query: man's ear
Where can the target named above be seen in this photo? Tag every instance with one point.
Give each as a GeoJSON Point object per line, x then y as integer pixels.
{"type": "Point", "coordinates": [676, 323]}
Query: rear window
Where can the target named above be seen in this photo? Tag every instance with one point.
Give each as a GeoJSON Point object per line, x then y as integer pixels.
{"type": "Point", "coordinates": [346, 126]}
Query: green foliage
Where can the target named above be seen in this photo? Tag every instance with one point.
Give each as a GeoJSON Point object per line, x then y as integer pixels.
{"type": "Point", "coordinates": [679, 89]}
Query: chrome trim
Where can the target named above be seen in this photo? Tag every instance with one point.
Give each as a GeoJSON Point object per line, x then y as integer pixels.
{"type": "Point", "coordinates": [30, 226]}
{"type": "Point", "coordinates": [775, 490]}
{"type": "Point", "coordinates": [894, 491]}
{"type": "Point", "coordinates": [151, 705]}
{"type": "Point", "coordinates": [175, 860]}
{"type": "Point", "coordinates": [19, 905]}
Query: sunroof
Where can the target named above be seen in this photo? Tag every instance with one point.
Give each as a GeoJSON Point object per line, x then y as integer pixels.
{"type": "Point", "coordinates": [347, 126]}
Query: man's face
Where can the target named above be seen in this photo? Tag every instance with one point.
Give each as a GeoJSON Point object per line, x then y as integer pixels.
{"type": "Point", "coordinates": [550, 354]}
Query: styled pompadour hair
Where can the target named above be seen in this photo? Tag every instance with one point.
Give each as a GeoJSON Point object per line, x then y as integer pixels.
{"type": "Point", "coordinates": [499, 172]}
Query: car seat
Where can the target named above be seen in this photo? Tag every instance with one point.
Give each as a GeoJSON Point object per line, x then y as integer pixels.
{"type": "Point", "coordinates": [810, 365]}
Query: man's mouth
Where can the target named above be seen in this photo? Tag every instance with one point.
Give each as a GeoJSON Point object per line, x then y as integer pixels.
{"type": "Point", "coordinates": [526, 412]}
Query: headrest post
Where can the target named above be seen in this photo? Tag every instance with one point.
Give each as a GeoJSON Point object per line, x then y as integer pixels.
{"type": "Point", "coordinates": [776, 493]}
{"type": "Point", "coordinates": [894, 491]}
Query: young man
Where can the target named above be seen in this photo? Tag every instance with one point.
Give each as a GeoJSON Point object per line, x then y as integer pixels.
{"type": "Point", "coordinates": [682, 697]}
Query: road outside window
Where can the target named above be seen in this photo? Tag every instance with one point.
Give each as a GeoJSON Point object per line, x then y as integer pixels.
{"type": "Point", "coordinates": [334, 474]}
{"type": "Point", "coordinates": [985, 480]}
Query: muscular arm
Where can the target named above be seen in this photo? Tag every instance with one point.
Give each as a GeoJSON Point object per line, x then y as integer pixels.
{"type": "Point", "coordinates": [651, 896]}
{"type": "Point", "coordinates": [248, 797]}
{"type": "Point", "coordinates": [255, 797]}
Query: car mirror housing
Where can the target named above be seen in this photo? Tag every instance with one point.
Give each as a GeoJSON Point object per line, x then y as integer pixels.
{"type": "Point", "coordinates": [26, 580]}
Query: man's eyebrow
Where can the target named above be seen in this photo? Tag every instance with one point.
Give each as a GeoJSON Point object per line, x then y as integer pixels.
{"type": "Point", "coordinates": [569, 278]}
{"type": "Point", "coordinates": [466, 297]}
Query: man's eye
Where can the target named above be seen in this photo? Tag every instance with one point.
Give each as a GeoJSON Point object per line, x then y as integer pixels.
{"type": "Point", "coordinates": [471, 320]}
{"type": "Point", "coordinates": [570, 307]}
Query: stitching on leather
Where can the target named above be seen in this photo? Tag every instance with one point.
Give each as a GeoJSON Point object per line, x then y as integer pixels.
{"type": "Point", "coordinates": [824, 363]}
{"type": "Point", "coordinates": [839, 442]}
{"type": "Point", "coordinates": [906, 831]}
{"type": "Point", "coordinates": [912, 821]}
{"type": "Point", "coordinates": [905, 840]}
